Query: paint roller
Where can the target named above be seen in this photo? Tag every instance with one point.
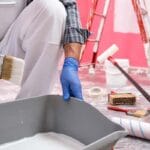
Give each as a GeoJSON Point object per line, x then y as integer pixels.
{"type": "Point", "coordinates": [108, 55]}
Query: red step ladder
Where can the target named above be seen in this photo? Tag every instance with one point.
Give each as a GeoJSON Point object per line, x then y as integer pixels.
{"type": "Point", "coordinates": [89, 25]}
{"type": "Point", "coordinates": [143, 20]}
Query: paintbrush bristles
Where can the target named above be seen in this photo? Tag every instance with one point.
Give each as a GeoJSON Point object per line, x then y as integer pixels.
{"type": "Point", "coordinates": [6, 70]}
{"type": "Point", "coordinates": [12, 69]}
{"type": "Point", "coordinates": [138, 113]}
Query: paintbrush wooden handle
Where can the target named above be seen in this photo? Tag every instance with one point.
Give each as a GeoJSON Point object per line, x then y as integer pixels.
{"type": "Point", "coordinates": [117, 108]}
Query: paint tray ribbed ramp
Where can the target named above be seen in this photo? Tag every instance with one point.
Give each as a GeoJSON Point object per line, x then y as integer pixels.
{"type": "Point", "coordinates": [79, 120]}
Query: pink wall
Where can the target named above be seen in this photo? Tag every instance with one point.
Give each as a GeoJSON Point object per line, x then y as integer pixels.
{"type": "Point", "coordinates": [130, 45]}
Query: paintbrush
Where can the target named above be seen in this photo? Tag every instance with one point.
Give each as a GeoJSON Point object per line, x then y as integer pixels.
{"type": "Point", "coordinates": [132, 112]}
{"type": "Point", "coordinates": [108, 55]}
{"type": "Point", "coordinates": [11, 68]}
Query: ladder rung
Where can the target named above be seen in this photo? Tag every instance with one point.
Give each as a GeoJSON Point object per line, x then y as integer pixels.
{"type": "Point", "coordinates": [92, 40]}
{"type": "Point", "coordinates": [97, 14]}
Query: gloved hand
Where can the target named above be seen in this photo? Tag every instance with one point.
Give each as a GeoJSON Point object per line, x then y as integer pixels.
{"type": "Point", "coordinates": [70, 82]}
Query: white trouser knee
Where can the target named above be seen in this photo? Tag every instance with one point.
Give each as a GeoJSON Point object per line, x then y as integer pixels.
{"type": "Point", "coordinates": [40, 20]}
{"type": "Point", "coordinates": [36, 36]}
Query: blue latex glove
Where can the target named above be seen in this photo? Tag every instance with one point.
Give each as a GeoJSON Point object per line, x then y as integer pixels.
{"type": "Point", "coordinates": [70, 82]}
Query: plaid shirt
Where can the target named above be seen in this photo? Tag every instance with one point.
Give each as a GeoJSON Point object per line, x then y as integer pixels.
{"type": "Point", "coordinates": [73, 31]}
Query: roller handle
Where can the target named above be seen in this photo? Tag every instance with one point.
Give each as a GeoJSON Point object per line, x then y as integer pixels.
{"type": "Point", "coordinates": [143, 92]}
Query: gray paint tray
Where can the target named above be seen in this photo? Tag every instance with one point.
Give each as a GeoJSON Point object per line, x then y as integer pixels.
{"type": "Point", "coordinates": [24, 118]}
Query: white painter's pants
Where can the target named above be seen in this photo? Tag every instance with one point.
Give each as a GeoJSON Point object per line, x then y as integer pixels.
{"type": "Point", "coordinates": [35, 36]}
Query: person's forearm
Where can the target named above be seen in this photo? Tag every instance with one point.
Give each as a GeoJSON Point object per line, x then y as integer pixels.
{"type": "Point", "coordinates": [73, 50]}
{"type": "Point", "coordinates": [69, 77]}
